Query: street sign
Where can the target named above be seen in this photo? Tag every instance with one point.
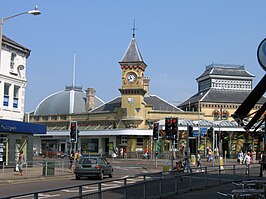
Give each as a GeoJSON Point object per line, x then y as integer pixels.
{"type": "Point", "coordinates": [203, 131]}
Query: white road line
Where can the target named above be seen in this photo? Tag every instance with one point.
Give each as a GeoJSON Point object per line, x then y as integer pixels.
{"type": "Point", "coordinates": [48, 195]}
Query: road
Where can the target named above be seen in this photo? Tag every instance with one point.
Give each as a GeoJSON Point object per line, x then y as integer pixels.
{"type": "Point", "coordinates": [122, 168]}
{"type": "Point", "coordinates": [32, 185]}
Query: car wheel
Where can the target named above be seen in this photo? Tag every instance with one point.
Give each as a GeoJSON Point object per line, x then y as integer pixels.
{"type": "Point", "coordinates": [111, 174]}
{"type": "Point", "coordinates": [101, 176]}
{"type": "Point", "coordinates": [77, 177]}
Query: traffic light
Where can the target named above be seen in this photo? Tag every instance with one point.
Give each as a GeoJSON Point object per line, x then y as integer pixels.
{"type": "Point", "coordinates": [190, 131]}
{"type": "Point", "coordinates": [209, 132]}
{"type": "Point", "coordinates": [174, 128]}
{"type": "Point", "coordinates": [73, 132]}
{"type": "Point", "coordinates": [222, 135]}
{"type": "Point", "coordinates": [155, 130]}
{"type": "Point", "coordinates": [168, 128]}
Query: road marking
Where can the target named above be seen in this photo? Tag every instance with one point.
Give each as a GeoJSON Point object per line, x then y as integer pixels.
{"type": "Point", "coordinates": [41, 195]}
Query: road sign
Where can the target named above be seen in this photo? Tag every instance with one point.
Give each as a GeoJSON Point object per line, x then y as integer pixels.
{"type": "Point", "coordinates": [203, 131]}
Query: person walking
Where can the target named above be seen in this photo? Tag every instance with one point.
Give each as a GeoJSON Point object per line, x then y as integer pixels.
{"type": "Point", "coordinates": [77, 156]}
{"type": "Point", "coordinates": [199, 160]}
{"type": "Point", "coordinates": [100, 152]}
{"type": "Point", "coordinates": [21, 161]}
{"type": "Point", "coordinates": [186, 163]}
{"type": "Point", "coordinates": [263, 163]}
{"type": "Point", "coordinates": [71, 159]}
{"type": "Point", "coordinates": [247, 160]}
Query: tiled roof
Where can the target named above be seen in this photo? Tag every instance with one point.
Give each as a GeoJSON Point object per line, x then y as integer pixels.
{"type": "Point", "coordinates": [132, 53]}
{"type": "Point", "coordinates": [155, 101]}
{"type": "Point", "coordinates": [226, 70]}
{"type": "Point", "coordinates": [10, 41]}
{"type": "Point", "coordinates": [221, 96]}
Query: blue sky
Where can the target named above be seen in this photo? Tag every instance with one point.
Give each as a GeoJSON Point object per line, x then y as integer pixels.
{"type": "Point", "coordinates": [177, 39]}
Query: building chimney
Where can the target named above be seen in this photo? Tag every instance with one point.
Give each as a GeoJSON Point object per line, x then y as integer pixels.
{"type": "Point", "coordinates": [146, 83]}
{"type": "Point", "coordinates": [90, 104]}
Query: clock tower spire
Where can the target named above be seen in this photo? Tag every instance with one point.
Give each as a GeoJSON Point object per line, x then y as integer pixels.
{"type": "Point", "coordinates": [133, 91]}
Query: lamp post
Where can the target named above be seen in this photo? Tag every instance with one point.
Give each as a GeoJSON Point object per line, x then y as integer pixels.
{"type": "Point", "coordinates": [198, 128]}
{"type": "Point", "coordinates": [35, 11]}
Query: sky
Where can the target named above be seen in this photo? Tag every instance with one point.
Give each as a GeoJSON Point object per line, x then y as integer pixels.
{"type": "Point", "coordinates": [177, 40]}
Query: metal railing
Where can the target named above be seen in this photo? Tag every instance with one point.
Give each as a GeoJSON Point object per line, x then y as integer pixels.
{"type": "Point", "coordinates": [36, 169]}
{"type": "Point", "coordinates": [154, 185]}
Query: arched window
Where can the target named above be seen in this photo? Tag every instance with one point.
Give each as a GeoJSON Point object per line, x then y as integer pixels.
{"type": "Point", "coordinates": [216, 115]}
{"type": "Point", "coordinates": [225, 115]}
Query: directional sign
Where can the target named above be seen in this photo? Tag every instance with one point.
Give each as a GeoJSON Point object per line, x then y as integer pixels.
{"type": "Point", "coordinates": [203, 131]}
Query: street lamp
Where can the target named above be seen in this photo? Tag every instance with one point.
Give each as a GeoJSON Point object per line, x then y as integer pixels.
{"type": "Point", "coordinates": [35, 11]}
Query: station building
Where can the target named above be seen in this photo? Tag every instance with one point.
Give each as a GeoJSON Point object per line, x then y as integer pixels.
{"type": "Point", "coordinates": [126, 121]}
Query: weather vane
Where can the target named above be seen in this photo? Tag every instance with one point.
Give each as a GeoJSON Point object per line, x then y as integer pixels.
{"type": "Point", "coordinates": [134, 29]}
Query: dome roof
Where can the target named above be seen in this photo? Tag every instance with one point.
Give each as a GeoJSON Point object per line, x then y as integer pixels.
{"type": "Point", "coordinates": [71, 100]}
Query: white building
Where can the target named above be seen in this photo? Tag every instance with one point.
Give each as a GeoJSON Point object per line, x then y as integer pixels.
{"type": "Point", "coordinates": [12, 79]}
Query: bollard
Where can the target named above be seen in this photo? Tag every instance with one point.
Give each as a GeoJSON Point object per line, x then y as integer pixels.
{"type": "Point", "coordinates": [221, 163]}
{"type": "Point", "coordinates": [193, 159]}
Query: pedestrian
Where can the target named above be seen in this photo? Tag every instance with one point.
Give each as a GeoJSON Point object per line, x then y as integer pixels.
{"type": "Point", "coordinates": [186, 163]}
{"type": "Point", "coordinates": [247, 160]}
{"type": "Point", "coordinates": [263, 162]}
{"type": "Point", "coordinates": [199, 160]}
{"type": "Point", "coordinates": [207, 154]}
{"type": "Point", "coordinates": [100, 152]}
{"type": "Point", "coordinates": [116, 151]}
{"type": "Point", "coordinates": [21, 161]}
{"type": "Point", "coordinates": [146, 153]}
{"type": "Point", "coordinates": [77, 156]}
{"type": "Point", "coordinates": [71, 159]}
{"type": "Point", "coordinates": [240, 157]}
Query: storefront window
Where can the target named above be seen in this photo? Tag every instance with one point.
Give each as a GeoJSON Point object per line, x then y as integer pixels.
{"type": "Point", "coordinates": [89, 146]}
{"type": "Point", "coordinates": [3, 149]}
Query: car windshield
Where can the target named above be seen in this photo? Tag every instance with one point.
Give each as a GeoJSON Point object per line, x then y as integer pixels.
{"type": "Point", "coordinates": [88, 161]}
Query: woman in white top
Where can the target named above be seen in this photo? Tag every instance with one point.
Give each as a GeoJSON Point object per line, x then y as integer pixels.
{"type": "Point", "coordinates": [247, 160]}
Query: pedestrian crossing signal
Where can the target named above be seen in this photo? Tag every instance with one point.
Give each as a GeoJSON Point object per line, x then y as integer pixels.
{"type": "Point", "coordinates": [155, 130]}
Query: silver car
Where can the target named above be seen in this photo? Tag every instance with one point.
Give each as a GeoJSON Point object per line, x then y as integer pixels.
{"type": "Point", "coordinates": [93, 167]}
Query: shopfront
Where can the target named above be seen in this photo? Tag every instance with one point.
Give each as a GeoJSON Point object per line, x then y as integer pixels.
{"type": "Point", "coordinates": [15, 137]}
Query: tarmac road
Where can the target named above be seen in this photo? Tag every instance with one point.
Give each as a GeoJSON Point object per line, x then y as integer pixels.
{"type": "Point", "coordinates": [122, 167]}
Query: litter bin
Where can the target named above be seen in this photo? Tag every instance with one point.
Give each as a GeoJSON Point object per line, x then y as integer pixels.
{"type": "Point", "coordinates": [48, 168]}
{"type": "Point", "coordinates": [166, 166]}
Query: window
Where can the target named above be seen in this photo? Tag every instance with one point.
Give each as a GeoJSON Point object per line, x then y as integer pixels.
{"type": "Point", "coordinates": [123, 140]}
{"type": "Point", "coordinates": [225, 115]}
{"type": "Point", "coordinates": [139, 141]}
{"type": "Point", "coordinates": [12, 60]}
{"type": "Point", "coordinates": [216, 115]}
{"type": "Point", "coordinates": [16, 96]}
{"type": "Point", "coordinates": [6, 94]}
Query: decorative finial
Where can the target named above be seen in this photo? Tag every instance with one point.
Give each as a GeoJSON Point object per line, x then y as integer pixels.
{"type": "Point", "coordinates": [134, 29]}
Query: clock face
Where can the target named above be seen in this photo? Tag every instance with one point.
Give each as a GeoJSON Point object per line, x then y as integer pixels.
{"type": "Point", "coordinates": [131, 77]}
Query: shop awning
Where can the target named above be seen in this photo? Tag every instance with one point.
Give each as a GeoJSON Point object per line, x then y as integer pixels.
{"type": "Point", "coordinates": [10, 126]}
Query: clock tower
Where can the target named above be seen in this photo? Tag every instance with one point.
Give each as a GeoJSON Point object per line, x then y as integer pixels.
{"type": "Point", "coordinates": [132, 91]}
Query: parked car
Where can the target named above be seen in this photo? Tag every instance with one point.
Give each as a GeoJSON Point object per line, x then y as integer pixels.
{"type": "Point", "coordinates": [93, 167]}
{"type": "Point", "coordinates": [52, 153]}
